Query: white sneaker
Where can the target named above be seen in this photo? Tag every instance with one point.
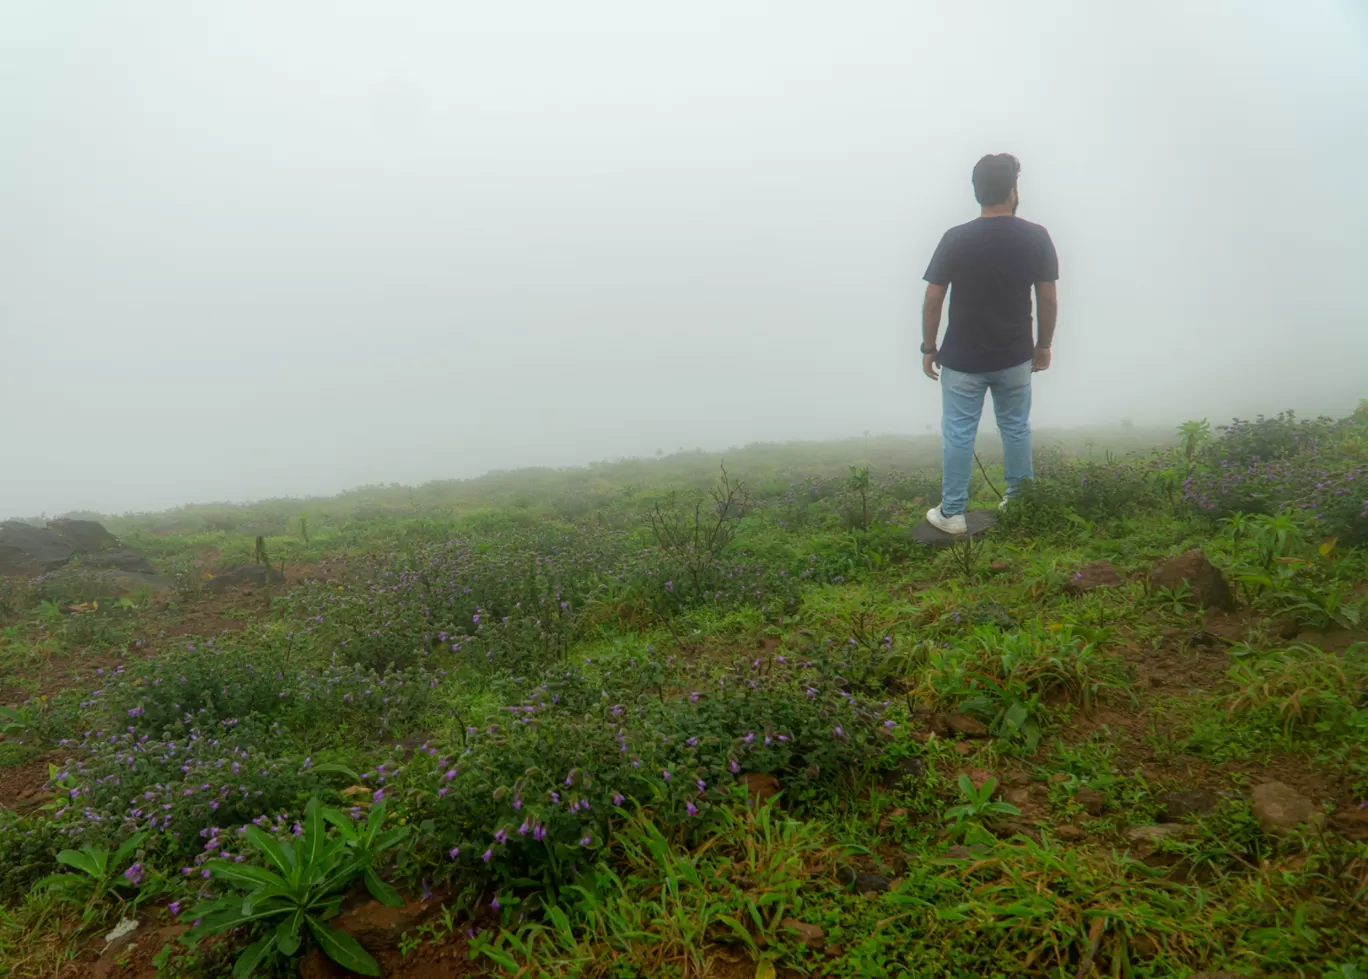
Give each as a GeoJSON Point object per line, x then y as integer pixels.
{"type": "Point", "coordinates": [1003, 504]}
{"type": "Point", "coordinates": [948, 525]}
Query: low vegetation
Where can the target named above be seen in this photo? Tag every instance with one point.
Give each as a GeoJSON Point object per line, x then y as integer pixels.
{"type": "Point", "coordinates": [665, 719]}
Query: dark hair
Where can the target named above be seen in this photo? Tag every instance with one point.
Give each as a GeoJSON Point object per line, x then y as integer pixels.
{"type": "Point", "coordinates": [994, 177]}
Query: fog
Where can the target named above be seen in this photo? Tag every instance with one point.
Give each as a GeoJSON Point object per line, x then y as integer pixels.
{"type": "Point", "coordinates": [260, 249]}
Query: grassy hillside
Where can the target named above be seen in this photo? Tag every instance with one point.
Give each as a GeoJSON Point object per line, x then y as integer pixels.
{"type": "Point", "coordinates": [651, 718]}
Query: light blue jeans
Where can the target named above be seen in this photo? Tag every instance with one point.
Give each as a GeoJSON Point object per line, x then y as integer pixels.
{"type": "Point", "coordinates": [961, 406]}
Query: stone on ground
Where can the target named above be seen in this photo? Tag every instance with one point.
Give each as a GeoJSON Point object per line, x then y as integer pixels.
{"type": "Point", "coordinates": [1092, 576]}
{"type": "Point", "coordinates": [246, 574]}
{"type": "Point", "coordinates": [1177, 806]}
{"type": "Point", "coordinates": [1206, 585]}
{"type": "Point", "coordinates": [1279, 808]}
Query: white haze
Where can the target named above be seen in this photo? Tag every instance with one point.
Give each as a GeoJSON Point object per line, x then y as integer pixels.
{"type": "Point", "coordinates": [271, 248]}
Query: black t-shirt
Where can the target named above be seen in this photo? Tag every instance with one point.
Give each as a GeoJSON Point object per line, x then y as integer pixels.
{"type": "Point", "coordinates": [990, 265]}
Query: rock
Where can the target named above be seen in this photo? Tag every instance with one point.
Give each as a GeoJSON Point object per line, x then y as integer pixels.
{"type": "Point", "coordinates": [999, 566]}
{"type": "Point", "coordinates": [1091, 800]}
{"type": "Point", "coordinates": [1280, 808]}
{"type": "Point", "coordinates": [1027, 795]}
{"type": "Point", "coordinates": [25, 549]}
{"type": "Point", "coordinates": [913, 768]}
{"type": "Point", "coordinates": [1156, 833]}
{"type": "Point", "coordinates": [965, 726]}
{"type": "Point", "coordinates": [1352, 824]}
{"type": "Point", "coordinates": [120, 559]}
{"type": "Point", "coordinates": [42, 550]}
{"type": "Point", "coordinates": [745, 883]}
{"type": "Point", "coordinates": [85, 536]}
{"type": "Point", "coordinates": [871, 883]}
{"type": "Point", "coordinates": [378, 926]}
{"type": "Point", "coordinates": [759, 786]}
{"type": "Point", "coordinates": [109, 582]}
{"type": "Point", "coordinates": [1283, 626]}
{"type": "Point", "coordinates": [834, 951]}
{"type": "Point", "coordinates": [1206, 585]}
{"type": "Point", "coordinates": [1070, 832]}
{"type": "Point", "coordinates": [1177, 806]}
{"type": "Point", "coordinates": [810, 935]}
{"type": "Point", "coordinates": [1005, 829]}
{"type": "Point", "coordinates": [122, 930]}
{"type": "Point", "coordinates": [1092, 576]}
{"type": "Point", "coordinates": [978, 522]}
{"type": "Point", "coordinates": [246, 574]}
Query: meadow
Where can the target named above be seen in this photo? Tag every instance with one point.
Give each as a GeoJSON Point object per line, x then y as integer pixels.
{"type": "Point", "coordinates": [714, 716]}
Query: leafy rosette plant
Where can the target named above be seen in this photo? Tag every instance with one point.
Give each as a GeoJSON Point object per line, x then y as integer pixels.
{"type": "Point", "coordinates": [303, 891]}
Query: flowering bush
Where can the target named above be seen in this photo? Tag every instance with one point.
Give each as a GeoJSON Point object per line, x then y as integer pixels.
{"type": "Point", "coordinates": [1088, 490]}
{"type": "Point", "coordinates": [1269, 465]}
{"type": "Point", "coordinates": [532, 792]}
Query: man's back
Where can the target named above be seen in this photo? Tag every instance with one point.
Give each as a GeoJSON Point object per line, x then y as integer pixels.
{"type": "Point", "coordinates": [990, 265]}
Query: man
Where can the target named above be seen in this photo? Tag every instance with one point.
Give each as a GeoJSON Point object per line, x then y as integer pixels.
{"type": "Point", "coordinates": [989, 267]}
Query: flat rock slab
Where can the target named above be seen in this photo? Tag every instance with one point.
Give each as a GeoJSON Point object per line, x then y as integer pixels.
{"type": "Point", "coordinates": [978, 521]}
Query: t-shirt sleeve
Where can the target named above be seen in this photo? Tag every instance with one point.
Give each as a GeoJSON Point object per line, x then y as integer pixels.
{"type": "Point", "coordinates": [939, 271]}
{"type": "Point", "coordinates": [1047, 262]}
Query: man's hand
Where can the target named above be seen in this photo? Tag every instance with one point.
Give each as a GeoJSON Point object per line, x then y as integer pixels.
{"type": "Point", "coordinates": [929, 366]}
{"type": "Point", "coordinates": [1040, 360]}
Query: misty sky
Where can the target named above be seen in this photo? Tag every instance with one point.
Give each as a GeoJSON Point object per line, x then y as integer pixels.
{"type": "Point", "coordinates": [273, 248]}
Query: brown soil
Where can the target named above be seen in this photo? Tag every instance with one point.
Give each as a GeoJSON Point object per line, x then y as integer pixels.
{"type": "Point", "coordinates": [1193, 670]}
{"type": "Point", "coordinates": [22, 787]}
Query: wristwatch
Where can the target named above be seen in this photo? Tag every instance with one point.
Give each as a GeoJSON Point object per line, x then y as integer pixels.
{"type": "Point", "coordinates": [931, 351]}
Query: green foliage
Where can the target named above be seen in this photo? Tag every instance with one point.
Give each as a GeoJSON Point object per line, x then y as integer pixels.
{"type": "Point", "coordinates": [98, 876]}
{"type": "Point", "coordinates": [1071, 493]}
{"type": "Point", "coordinates": [977, 804]}
{"type": "Point", "coordinates": [1192, 435]}
{"type": "Point", "coordinates": [293, 902]}
{"type": "Point", "coordinates": [564, 689]}
{"type": "Point", "coordinates": [1009, 681]}
{"type": "Point", "coordinates": [655, 907]}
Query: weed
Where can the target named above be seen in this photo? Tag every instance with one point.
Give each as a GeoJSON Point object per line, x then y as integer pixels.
{"type": "Point", "coordinates": [305, 889]}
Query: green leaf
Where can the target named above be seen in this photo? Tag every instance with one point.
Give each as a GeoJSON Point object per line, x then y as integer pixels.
{"type": "Point", "coordinates": [341, 822]}
{"type": "Point", "coordinates": [343, 949]}
{"type": "Point", "coordinates": [374, 821]}
{"type": "Point", "coordinates": [501, 959]}
{"type": "Point", "coordinates": [331, 768]}
{"type": "Point", "coordinates": [279, 854]}
{"type": "Point", "coordinates": [287, 934]}
{"type": "Point", "coordinates": [128, 848]}
{"type": "Point", "coordinates": [227, 913]}
{"type": "Point", "coordinates": [311, 846]}
{"type": "Point", "coordinates": [381, 891]}
{"type": "Point", "coordinates": [81, 860]}
{"type": "Point", "coordinates": [388, 839]}
{"type": "Point", "coordinates": [251, 957]}
{"type": "Point", "coordinates": [244, 874]}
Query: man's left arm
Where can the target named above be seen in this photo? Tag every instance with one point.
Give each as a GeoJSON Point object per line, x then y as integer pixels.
{"type": "Point", "coordinates": [1047, 301]}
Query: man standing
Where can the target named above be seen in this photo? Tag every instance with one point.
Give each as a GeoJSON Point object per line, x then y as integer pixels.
{"type": "Point", "coordinates": [992, 263]}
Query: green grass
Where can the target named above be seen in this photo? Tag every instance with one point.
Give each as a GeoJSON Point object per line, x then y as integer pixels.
{"type": "Point", "coordinates": [563, 706]}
